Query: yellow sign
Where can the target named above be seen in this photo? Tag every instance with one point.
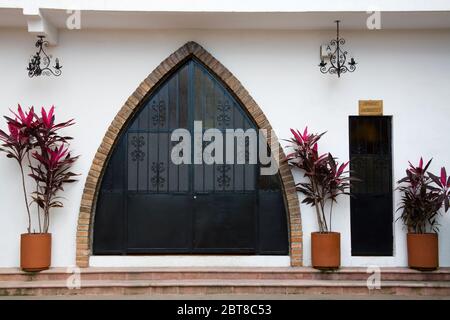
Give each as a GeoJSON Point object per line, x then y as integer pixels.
{"type": "Point", "coordinates": [370, 107]}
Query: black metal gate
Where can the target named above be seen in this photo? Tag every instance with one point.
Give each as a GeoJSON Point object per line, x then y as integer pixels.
{"type": "Point", "coordinates": [372, 203]}
{"type": "Point", "coordinates": [148, 204]}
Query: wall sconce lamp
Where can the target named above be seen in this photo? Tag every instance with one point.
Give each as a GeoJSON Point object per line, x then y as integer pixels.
{"type": "Point", "coordinates": [337, 57]}
{"type": "Point", "coordinates": [39, 63]}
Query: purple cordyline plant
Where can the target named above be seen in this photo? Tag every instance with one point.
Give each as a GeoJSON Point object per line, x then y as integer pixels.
{"type": "Point", "coordinates": [423, 196]}
{"type": "Point", "coordinates": [326, 178]}
{"type": "Point", "coordinates": [16, 144]}
{"type": "Point", "coordinates": [31, 133]}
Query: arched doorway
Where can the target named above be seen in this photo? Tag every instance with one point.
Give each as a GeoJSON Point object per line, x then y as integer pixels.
{"type": "Point", "coordinates": [145, 204]}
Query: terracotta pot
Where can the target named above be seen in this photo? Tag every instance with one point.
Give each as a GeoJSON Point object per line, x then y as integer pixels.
{"type": "Point", "coordinates": [423, 251]}
{"type": "Point", "coordinates": [35, 251]}
{"type": "Point", "coordinates": [326, 250]}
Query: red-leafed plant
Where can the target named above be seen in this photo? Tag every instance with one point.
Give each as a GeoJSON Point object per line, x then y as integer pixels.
{"type": "Point", "coordinates": [326, 178]}
{"type": "Point", "coordinates": [31, 133]}
{"type": "Point", "coordinates": [51, 173]}
{"type": "Point", "coordinates": [423, 196]}
{"type": "Point", "coordinates": [17, 143]}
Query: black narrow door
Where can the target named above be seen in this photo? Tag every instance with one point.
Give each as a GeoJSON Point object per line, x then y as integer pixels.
{"type": "Point", "coordinates": [148, 204]}
{"type": "Point", "coordinates": [371, 201]}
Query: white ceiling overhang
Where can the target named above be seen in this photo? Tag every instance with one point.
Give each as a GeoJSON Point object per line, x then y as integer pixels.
{"type": "Point", "coordinates": [47, 16]}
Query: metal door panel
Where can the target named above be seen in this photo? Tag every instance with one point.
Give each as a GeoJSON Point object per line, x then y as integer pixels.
{"type": "Point", "coordinates": [273, 237]}
{"type": "Point", "coordinates": [372, 197]}
{"type": "Point", "coordinates": [109, 238]}
{"type": "Point", "coordinates": [159, 222]}
{"type": "Point", "coordinates": [225, 223]}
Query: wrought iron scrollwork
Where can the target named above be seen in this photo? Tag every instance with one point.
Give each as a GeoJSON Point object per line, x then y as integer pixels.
{"type": "Point", "coordinates": [137, 154]}
{"type": "Point", "coordinates": [223, 178]}
{"type": "Point", "coordinates": [223, 111]}
{"type": "Point", "coordinates": [338, 57]}
{"type": "Point", "coordinates": [39, 64]}
{"type": "Point", "coordinates": [157, 169]}
{"type": "Point", "coordinates": [159, 116]}
{"type": "Point", "coordinates": [244, 151]}
{"type": "Point", "coordinates": [247, 151]}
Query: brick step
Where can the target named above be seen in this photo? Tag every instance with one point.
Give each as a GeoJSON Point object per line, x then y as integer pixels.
{"type": "Point", "coordinates": [210, 286]}
{"type": "Point", "coordinates": [387, 274]}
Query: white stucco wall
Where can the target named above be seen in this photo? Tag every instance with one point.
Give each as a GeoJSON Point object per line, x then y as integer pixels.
{"type": "Point", "coordinates": [408, 70]}
{"type": "Point", "coordinates": [232, 5]}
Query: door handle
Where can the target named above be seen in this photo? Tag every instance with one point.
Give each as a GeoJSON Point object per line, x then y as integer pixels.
{"type": "Point", "coordinates": [200, 194]}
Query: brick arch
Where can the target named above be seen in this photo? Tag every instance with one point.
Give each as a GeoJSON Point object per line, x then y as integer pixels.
{"type": "Point", "coordinates": [93, 180]}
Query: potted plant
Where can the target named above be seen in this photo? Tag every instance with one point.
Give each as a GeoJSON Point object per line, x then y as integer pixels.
{"type": "Point", "coordinates": [326, 179]}
{"type": "Point", "coordinates": [33, 141]}
{"type": "Point", "coordinates": [423, 195]}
